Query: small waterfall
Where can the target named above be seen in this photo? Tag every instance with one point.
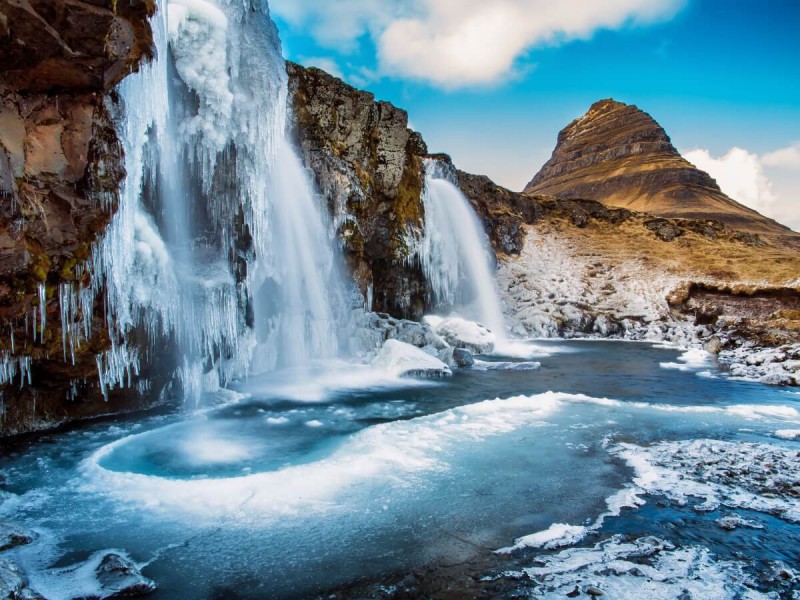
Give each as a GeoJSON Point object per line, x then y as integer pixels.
{"type": "Point", "coordinates": [455, 252]}
{"type": "Point", "coordinates": [219, 250]}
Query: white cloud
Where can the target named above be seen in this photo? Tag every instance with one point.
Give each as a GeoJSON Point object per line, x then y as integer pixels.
{"type": "Point", "coordinates": [748, 178]}
{"type": "Point", "coordinates": [338, 24]}
{"type": "Point", "coordinates": [457, 43]}
{"type": "Point", "coordinates": [785, 158]}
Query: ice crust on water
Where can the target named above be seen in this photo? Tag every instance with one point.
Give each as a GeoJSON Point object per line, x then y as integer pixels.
{"type": "Point", "coordinates": [483, 365]}
{"type": "Point", "coordinates": [753, 476]}
{"type": "Point", "coordinates": [557, 535]}
{"type": "Point", "coordinates": [693, 359]}
{"type": "Point", "coordinates": [394, 452]}
{"type": "Point", "coordinates": [645, 568]}
{"type": "Point", "coordinates": [560, 535]}
{"type": "Point", "coordinates": [788, 434]}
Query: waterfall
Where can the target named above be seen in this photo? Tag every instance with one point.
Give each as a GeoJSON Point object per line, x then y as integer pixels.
{"type": "Point", "coordinates": [455, 252]}
{"type": "Point", "coordinates": [219, 250]}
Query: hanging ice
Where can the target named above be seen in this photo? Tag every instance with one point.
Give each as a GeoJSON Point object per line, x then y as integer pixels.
{"type": "Point", "coordinates": [218, 250]}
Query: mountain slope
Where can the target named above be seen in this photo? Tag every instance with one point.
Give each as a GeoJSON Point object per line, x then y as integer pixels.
{"type": "Point", "coordinates": [619, 155]}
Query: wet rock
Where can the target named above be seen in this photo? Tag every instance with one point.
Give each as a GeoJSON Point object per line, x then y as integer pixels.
{"type": "Point", "coordinates": [713, 345]}
{"type": "Point", "coordinates": [12, 536]}
{"type": "Point", "coordinates": [120, 577]}
{"type": "Point", "coordinates": [14, 584]}
{"type": "Point", "coordinates": [731, 522]}
{"type": "Point", "coordinates": [463, 357]}
{"type": "Point", "coordinates": [593, 591]}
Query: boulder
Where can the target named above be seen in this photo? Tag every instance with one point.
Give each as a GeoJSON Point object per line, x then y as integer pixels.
{"type": "Point", "coordinates": [14, 584]}
{"type": "Point", "coordinates": [12, 536]}
{"type": "Point", "coordinates": [404, 360]}
{"type": "Point", "coordinates": [462, 333]}
{"type": "Point", "coordinates": [463, 358]}
{"type": "Point", "coordinates": [119, 576]}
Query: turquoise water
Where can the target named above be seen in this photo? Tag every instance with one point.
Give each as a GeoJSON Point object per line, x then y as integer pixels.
{"type": "Point", "coordinates": [274, 496]}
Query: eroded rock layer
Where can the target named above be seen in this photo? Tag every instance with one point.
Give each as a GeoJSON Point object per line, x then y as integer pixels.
{"type": "Point", "coordinates": [368, 166]}
{"type": "Point", "coordinates": [619, 155]}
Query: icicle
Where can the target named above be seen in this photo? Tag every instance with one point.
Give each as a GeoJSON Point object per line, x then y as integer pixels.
{"type": "Point", "coordinates": [42, 309]}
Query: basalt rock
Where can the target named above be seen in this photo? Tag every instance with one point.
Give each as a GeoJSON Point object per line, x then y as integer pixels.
{"type": "Point", "coordinates": [61, 166]}
{"type": "Point", "coordinates": [619, 155]}
{"type": "Point", "coordinates": [368, 167]}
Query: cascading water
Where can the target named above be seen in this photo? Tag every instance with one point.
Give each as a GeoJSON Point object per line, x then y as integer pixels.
{"type": "Point", "coordinates": [455, 252]}
{"type": "Point", "coordinates": [218, 246]}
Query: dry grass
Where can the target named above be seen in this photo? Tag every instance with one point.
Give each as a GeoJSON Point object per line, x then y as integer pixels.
{"type": "Point", "coordinates": [691, 256]}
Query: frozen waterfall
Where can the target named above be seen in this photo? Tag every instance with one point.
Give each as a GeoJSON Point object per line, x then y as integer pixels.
{"type": "Point", "coordinates": [455, 252]}
{"type": "Point", "coordinates": [219, 250]}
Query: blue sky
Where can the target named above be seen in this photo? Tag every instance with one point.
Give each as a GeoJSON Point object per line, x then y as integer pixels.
{"type": "Point", "coordinates": [492, 83]}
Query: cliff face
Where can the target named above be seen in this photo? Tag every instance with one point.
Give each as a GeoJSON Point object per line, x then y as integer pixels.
{"type": "Point", "coordinates": [60, 171]}
{"type": "Point", "coordinates": [619, 155]}
{"type": "Point", "coordinates": [368, 166]}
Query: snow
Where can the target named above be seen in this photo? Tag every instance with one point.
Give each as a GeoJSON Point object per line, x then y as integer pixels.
{"type": "Point", "coordinates": [549, 286]}
{"type": "Point", "coordinates": [401, 359]}
{"type": "Point", "coordinates": [462, 333]}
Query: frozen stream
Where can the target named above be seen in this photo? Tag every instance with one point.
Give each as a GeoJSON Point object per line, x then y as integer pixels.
{"type": "Point", "coordinates": [276, 495]}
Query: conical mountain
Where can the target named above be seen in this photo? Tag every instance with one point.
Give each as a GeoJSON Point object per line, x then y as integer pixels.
{"type": "Point", "coordinates": [619, 155]}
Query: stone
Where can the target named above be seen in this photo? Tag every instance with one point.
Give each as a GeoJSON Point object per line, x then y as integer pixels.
{"type": "Point", "coordinates": [119, 576]}
{"type": "Point", "coordinates": [14, 584]}
{"type": "Point", "coordinates": [404, 360]}
{"type": "Point", "coordinates": [664, 229]}
{"type": "Point", "coordinates": [463, 357]}
{"type": "Point", "coordinates": [12, 536]}
{"type": "Point", "coordinates": [469, 335]}
{"type": "Point", "coordinates": [713, 345]}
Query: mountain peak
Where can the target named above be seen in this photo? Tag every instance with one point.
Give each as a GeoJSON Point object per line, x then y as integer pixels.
{"type": "Point", "coordinates": [619, 155]}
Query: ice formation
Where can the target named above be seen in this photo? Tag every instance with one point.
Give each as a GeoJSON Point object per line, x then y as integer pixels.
{"type": "Point", "coordinates": [219, 249]}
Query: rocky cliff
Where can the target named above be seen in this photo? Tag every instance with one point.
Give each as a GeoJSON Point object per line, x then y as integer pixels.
{"type": "Point", "coordinates": [368, 166]}
{"type": "Point", "coordinates": [619, 155]}
{"type": "Point", "coordinates": [60, 170]}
